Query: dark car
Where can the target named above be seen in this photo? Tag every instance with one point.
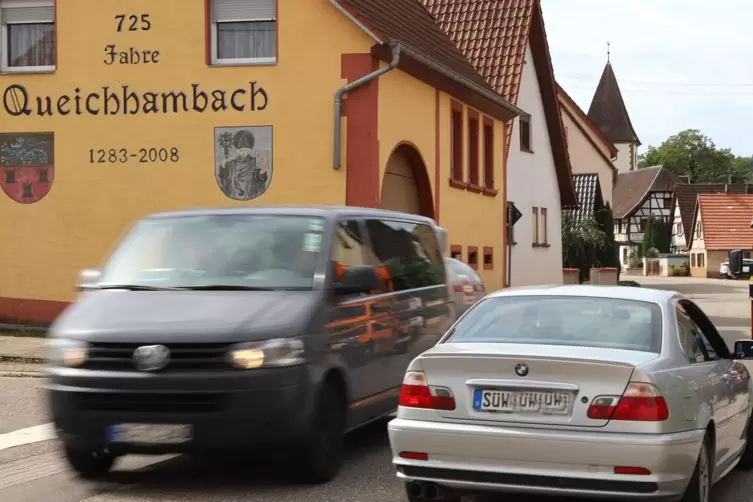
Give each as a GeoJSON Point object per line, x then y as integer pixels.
{"type": "Point", "coordinates": [276, 328]}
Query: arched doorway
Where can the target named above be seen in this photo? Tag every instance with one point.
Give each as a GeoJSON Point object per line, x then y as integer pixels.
{"type": "Point", "coordinates": [406, 186]}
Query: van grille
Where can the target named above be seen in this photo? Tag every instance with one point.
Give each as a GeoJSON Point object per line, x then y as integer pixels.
{"type": "Point", "coordinates": [151, 403]}
{"type": "Point", "coordinates": [195, 356]}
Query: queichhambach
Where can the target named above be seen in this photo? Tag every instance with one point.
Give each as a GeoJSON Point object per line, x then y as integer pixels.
{"type": "Point", "coordinates": [124, 100]}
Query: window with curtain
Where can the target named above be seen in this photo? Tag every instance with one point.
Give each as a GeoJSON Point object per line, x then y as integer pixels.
{"type": "Point", "coordinates": [28, 37]}
{"type": "Point", "coordinates": [244, 31]}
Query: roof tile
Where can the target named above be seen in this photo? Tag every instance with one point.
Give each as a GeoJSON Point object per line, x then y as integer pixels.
{"type": "Point", "coordinates": [634, 186]}
{"type": "Point", "coordinates": [686, 196]}
{"type": "Point", "coordinates": [726, 220]}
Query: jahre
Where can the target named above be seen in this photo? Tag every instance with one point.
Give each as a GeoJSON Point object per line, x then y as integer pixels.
{"type": "Point", "coordinates": [130, 56]}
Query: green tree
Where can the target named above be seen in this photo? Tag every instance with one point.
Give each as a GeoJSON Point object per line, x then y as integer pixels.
{"type": "Point", "coordinates": [649, 237]}
{"type": "Point", "coordinates": [656, 236]}
{"type": "Point", "coordinates": [695, 156]}
{"type": "Point", "coordinates": [581, 244]}
{"type": "Point", "coordinates": [609, 254]}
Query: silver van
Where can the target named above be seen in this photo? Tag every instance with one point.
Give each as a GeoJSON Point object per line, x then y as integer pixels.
{"type": "Point", "coordinates": [267, 327]}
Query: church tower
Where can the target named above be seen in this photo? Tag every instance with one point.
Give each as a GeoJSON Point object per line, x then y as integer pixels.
{"type": "Point", "coordinates": [608, 111]}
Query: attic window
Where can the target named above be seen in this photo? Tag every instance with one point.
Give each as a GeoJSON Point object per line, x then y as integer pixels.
{"type": "Point", "coordinates": [525, 133]}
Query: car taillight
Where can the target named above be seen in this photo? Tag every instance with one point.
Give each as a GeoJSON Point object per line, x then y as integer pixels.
{"type": "Point", "coordinates": [417, 393]}
{"type": "Point", "coordinates": [641, 402]}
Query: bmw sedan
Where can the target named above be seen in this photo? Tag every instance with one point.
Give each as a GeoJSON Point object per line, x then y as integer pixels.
{"type": "Point", "coordinates": [584, 391]}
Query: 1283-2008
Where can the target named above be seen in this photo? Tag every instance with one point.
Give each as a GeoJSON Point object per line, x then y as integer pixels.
{"type": "Point", "coordinates": [141, 155]}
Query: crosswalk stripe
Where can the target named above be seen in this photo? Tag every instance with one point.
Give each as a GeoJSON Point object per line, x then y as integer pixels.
{"type": "Point", "coordinates": [28, 435]}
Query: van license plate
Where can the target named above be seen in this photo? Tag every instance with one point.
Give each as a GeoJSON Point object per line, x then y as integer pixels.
{"type": "Point", "coordinates": [544, 402]}
{"type": "Point", "coordinates": [149, 433]}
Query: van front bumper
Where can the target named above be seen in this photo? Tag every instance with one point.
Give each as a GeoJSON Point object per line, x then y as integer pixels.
{"type": "Point", "coordinates": [228, 410]}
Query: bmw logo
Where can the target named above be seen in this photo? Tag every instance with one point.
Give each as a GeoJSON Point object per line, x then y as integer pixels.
{"type": "Point", "coordinates": [521, 369]}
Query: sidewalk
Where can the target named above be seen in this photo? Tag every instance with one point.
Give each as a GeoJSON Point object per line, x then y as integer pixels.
{"type": "Point", "coordinates": [21, 356]}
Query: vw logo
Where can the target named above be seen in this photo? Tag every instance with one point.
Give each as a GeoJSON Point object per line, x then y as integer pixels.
{"type": "Point", "coordinates": [151, 357]}
{"type": "Point", "coordinates": [521, 369]}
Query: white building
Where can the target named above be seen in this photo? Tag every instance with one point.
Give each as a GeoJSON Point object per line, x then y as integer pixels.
{"type": "Point", "coordinates": [638, 196]}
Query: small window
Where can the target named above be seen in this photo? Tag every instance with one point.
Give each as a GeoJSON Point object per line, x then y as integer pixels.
{"type": "Point", "coordinates": [28, 36]}
{"type": "Point", "coordinates": [488, 154]}
{"type": "Point", "coordinates": [525, 133]}
{"type": "Point", "coordinates": [544, 238]}
{"type": "Point", "coordinates": [643, 224]}
{"type": "Point", "coordinates": [457, 142]}
{"type": "Point", "coordinates": [473, 257]}
{"type": "Point", "coordinates": [667, 202]}
{"type": "Point", "coordinates": [456, 252]}
{"type": "Point", "coordinates": [535, 223]}
{"type": "Point", "coordinates": [624, 255]}
{"type": "Point", "coordinates": [692, 259]}
{"type": "Point", "coordinates": [698, 230]}
{"type": "Point", "coordinates": [244, 32]}
{"type": "Point", "coordinates": [488, 258]}
{"type": "Point", "coordinates": [473, 149]}
{"type": "Point", "coordinates": [701, 260]}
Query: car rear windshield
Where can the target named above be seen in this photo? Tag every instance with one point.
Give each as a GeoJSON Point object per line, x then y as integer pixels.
{"type": "Point", "coordinates": [563, 320]}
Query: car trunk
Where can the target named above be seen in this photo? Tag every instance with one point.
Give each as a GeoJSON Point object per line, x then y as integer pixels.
{"type": "Point", "coordinates": [561, 382]}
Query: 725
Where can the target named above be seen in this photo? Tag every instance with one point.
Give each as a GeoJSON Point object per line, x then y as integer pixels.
{"type": "Point", "coordinates": [133, 22]}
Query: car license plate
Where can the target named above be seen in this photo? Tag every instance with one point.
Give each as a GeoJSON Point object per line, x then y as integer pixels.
{"type": "Point", "coordinates": [149, 433]}
{"type": "Point", "coordinates": [508, 401]}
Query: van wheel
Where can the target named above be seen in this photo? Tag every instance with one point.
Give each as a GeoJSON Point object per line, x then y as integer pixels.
{"type": "Point", "coordinates": [699, 488]}
{"type": "Point", "coordinates": [89, 463]}
{"type": "Point", "coordinates": [746, 461]}
{"type": "Point", "coordinates": [323, 452]}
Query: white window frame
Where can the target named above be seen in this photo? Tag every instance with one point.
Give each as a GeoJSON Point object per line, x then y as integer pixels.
{"type": "Point", "coordinates": [13, 4]}
{"type": "Point", "coordinates": [214, 48]}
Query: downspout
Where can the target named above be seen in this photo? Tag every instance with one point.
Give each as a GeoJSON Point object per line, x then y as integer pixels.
{"type": "Point", "coordinates": [396, 48]}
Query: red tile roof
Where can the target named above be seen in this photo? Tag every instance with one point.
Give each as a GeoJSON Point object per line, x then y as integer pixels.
{"type": "Point", "coordinates": [686, 196]}
{"type": "Point", "coordinates": [493, 35]}
{"type": "Point", "coordinates": [726, 221]}
{"type": "Point", "coordinates": [409, 23]}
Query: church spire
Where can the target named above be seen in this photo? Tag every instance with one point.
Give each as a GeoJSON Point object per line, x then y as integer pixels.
{"type": "Point", "coordinates": [608, 109]}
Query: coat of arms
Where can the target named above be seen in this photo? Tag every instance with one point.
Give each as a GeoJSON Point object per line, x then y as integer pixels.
{"type": "Point", "coordinates": [243, 160]}
{"type": "Point", "coordinates": [27, 165]}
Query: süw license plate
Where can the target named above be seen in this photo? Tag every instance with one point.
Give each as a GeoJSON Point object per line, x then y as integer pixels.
{"type": "Point", "coordinates": [150, 433]}
{"type": "Point", "coordinates": [510, 401]}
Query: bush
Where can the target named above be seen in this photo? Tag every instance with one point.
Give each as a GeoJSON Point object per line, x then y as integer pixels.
{"type": "Point", "coordinates": [631, 284]}
{"type": "Point", "coordinates": [635, 260]}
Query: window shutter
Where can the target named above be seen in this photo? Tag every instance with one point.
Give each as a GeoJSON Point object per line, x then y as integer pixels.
{"type": "Point", "coordinates": [243, 10]}
{"type": "Point", "coordinates": [14, 15]}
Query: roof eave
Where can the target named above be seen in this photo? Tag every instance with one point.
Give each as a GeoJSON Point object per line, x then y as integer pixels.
{"type": "Point", "coordinates": [449, 81]}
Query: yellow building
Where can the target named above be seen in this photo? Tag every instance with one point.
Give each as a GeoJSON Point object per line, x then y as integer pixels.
{"type": "Point", "coordinates": [160, 105]}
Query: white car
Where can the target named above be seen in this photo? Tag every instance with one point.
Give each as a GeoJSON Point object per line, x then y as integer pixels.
{"type": "Point", "coordinates": [581, 391]}
{"type": "Point", "coordinates": [466, 285]}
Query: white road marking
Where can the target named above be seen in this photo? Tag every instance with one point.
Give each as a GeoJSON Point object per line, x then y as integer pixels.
{"type": "Point", "coordinates": [29, 435]}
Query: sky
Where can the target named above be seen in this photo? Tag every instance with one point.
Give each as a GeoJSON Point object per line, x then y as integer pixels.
{"type": "Point", "coordinates": [680, 64]}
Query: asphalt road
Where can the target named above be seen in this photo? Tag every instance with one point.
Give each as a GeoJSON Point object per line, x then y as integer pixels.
{"type": "Point", "coordinates": [35, 472]}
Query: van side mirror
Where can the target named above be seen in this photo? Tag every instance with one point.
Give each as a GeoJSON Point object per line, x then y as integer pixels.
{"type": "Point", "coordinates": [88, 279]}
{"type": "Point", "coordinates": [735, 262]}
{"type": "Point", "coordinates": [357, 279]}
{"type": "Point", "coordinates": [743, 349]}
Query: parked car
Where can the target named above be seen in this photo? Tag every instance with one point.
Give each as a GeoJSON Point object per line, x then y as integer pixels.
{"type": "Point", "coordinates": [249, 329]}
{"type": "Point", "coordinates": [584, 391]}
{"type": "Point", "coordinates": [747, 269]}
{"type": "Point", "coordinates": [465, 284]}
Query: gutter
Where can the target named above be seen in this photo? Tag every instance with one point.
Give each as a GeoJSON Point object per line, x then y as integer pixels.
{"type": "Point", "coordinates": [396, 49]}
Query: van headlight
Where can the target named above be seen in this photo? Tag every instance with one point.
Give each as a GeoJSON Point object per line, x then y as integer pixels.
{"type": "Point", "coordinates": [70, 353]}
{"type": "Point", "coordinates": [275, 353]}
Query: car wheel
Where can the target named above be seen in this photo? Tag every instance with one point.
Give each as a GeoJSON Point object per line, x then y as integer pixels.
{"type": "Point", "coordinates": [323, 451]}
{"type": "Point", "coordinates": [746, 461]}
{"type": "Point", "coordinates": [89, 463]}
{"type": "Point", "coordinates": [699, 488]}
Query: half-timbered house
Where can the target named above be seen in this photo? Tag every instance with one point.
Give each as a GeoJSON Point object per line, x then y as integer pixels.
{"type": "Point", "coordinates": [639, 195]}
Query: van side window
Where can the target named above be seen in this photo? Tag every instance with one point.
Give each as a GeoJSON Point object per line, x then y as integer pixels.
{"type": "Point", "coordinates": [407, 253]}
{"type": "Point", "coordinates": [350, 248]}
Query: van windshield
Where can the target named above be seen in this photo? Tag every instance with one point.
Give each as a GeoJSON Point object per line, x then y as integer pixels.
{"type": "Point", "coordinates": [217, 252]}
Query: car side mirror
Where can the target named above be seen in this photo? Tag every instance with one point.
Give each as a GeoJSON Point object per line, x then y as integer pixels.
{"type": "Point", "coordinates": [743, 349]}
{"type": "Point", "coordinates": [357, 279]}
{"type": "Point", "coordinates": [88, 279]}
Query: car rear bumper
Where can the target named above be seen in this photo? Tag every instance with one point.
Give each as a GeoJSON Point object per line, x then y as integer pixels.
{"type": "Point", "coordinates": [227, 410]}
{"type": "Point", "coordinates": [571, 463]}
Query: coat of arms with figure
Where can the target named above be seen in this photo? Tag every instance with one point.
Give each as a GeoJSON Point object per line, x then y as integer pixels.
{"type": "Point", "coordinates": [243, 161]}
{"type": "Point", "coordinates": [27, 165]}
